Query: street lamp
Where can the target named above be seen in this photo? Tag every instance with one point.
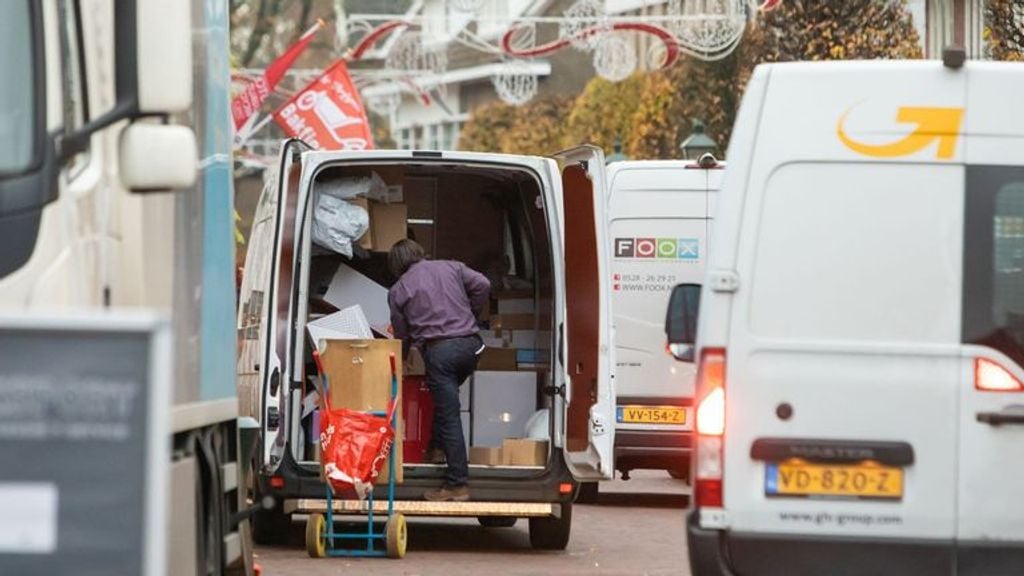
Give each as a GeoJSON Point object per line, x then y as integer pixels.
{"type": "Point", "coordinates": [698, 143]}
{"type": "Point", "coordinates": [616, 155]}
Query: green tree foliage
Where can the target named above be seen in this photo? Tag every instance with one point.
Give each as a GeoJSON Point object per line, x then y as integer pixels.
{"type": "Point", "coordinates": [674, 98]}
{"type": "Point", "coordinates": [1004, 29]}
{"type": "Point", "coordinates": [485, 130]}
{"type": "Point", "coordinates": [828, 30]}
{"type": "Point", "coordinates": [538, 127]}
{"type": "Point", "coordinates": [604, 112]}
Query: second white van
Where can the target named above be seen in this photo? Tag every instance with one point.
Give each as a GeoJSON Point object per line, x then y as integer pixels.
{"type": "Point", "coordinates": [860, 390]}
{"type": "Point", "coordinates": [659, 219]}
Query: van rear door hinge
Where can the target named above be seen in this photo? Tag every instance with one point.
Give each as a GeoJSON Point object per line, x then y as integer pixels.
{"type": "Point", "coordinates": [552, 390]}
{"type": "Point", "coordinates": [724, 280]}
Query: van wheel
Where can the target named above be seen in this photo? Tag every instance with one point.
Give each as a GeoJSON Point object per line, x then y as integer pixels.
{"type": "Point", "coordinates": [587, 494]}
{"type": "Point", "coordinates": [497, 521]}
{"type": "Point", "coordinates": [551, 533]}
{"type": "Point", "coordinates": [271, 527]}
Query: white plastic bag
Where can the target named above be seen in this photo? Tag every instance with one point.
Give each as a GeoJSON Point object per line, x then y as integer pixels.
{"type": "Point", "coordinates": [336, 223]}
{"type": "Point", "coordinates": [347, 188]}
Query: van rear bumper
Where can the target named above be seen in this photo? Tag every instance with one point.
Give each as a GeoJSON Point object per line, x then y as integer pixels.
{"type": "Point", "coordinates": [499, 486]}
{"type": "Point", "coordinates": [720, 553]}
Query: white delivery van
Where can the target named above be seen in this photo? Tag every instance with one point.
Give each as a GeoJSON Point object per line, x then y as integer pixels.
{"type": "Point", "coordinates": [541, 220]}
{"type": "Point", "coordinates": [659, 217]}
{"type": "Point", "coordinates": [860, 406]}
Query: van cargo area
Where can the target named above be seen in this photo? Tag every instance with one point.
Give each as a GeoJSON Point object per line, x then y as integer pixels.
{"type": "Point", "coordinates": [491, 219]}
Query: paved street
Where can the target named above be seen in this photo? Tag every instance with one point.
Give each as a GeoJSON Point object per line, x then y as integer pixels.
{"type": "Point", "coordinates": [636, 528]}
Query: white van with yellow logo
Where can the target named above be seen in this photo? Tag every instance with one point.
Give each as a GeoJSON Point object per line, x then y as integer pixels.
{"type": "Point", "coordinates": [860, 390]}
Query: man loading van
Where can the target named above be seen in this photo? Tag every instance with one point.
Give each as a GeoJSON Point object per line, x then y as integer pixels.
{"type": "Point", "coordinates": [434, 306]}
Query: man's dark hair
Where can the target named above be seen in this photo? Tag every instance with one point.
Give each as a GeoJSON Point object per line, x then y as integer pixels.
{"type": "Point", "coordinates": [403, 255]}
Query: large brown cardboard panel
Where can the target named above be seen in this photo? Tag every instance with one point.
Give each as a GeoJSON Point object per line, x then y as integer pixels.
{"type": "Point", "coordinates": [359, 377]}
{"type": "Point", "coordinates": [388, 223]}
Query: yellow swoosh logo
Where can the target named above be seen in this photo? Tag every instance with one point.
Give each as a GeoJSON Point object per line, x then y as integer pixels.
{"type": "Point", "coordinates": [933, 124]}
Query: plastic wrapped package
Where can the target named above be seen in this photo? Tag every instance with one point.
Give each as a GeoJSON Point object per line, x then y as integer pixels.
{"type": "Point", "coordinates": [347, 188]}
{"type": "Point", "coordinates": [337, 223]}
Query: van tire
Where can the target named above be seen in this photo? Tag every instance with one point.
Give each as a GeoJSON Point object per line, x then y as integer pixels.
{"type": "Point", "coordinates": [588, 492]}
{"type": "Point", "coordinates": [552, 533]}
{"type": "Point", "coordinates": [271, 527]}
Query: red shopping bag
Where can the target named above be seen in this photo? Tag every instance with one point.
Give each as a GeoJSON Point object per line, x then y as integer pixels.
{"type": "Point", "coordinates": [354, 445]}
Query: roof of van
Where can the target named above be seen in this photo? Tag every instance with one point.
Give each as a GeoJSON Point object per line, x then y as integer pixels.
{"type": "Point", "coordinates": [893, 110]}
{"type": "Point", "coordinates": [663, 175]}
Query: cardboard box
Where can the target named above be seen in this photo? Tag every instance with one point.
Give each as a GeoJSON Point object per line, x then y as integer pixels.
{"type": "Point", "coordinates": [502, 404]}
{"type": "Point", "coordinates": [492, 359]}
{"type": "Point", "coordinates": [503, 322]}
{"type": "Point", "coordinates": [515, 306]}
{"type": "Point", "coordinates": [528, 339]}
{"type": "Point", "coordinates": [493, 340]}
{"type": "Point", "coordinates": [359, 377]}
{"type": "Point", "coordinates": [388, 223]}
{"type": "Point", "coordinates": [485, 456]}
{"type": "Point", "coordinates": [524, 452]}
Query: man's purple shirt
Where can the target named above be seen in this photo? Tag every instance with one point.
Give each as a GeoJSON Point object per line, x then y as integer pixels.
{"type": "Point", "coordinates": [437, 299]}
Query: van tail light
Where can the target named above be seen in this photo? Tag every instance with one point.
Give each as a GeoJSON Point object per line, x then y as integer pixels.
{"type": "Point", "coordinates": [991, 377]}
{"type": "Point", "coordinates": [709, 470]}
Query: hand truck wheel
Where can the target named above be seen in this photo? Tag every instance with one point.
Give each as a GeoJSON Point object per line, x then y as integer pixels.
{"type": "Point", "coordinates": [397, 536]}
{"type": "Point", "coordinates": [316, 536]}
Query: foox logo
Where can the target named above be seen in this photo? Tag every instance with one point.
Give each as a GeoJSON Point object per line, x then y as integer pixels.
{"type": "Point", "coordinates": [661, 248]}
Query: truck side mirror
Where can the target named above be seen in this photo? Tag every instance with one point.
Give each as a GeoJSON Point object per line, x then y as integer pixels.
{"type": "Point", "coordinates": [681, 321]}
{"type": "Point", "coordinates": [153, 70]}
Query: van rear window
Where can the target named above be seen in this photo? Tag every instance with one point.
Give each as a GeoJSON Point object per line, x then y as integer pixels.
{"type": "Point", "coordinates": [993, 295]}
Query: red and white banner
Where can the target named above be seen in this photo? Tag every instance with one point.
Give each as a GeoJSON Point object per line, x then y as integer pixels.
{"type": "Point", "coordinates": [249, 101]}
{"type": "Point", "coordinates": [328, 114]}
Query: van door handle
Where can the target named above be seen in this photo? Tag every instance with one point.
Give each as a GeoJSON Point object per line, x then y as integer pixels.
{"type": "Point", "coordinates": [1009, 416]}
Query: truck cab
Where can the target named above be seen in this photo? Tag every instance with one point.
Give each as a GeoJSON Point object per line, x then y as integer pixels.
{"type": "Point", "coordinates": [535, 227]}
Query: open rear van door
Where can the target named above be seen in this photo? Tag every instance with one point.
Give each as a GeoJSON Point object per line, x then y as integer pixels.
{"type": "Point", "coordinates": [275, 334]}
{"type": "Point", "coordinates": [585, 351]}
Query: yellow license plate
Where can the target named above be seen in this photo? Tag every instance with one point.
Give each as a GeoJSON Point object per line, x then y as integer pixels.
{"type": "Point", "coordinates": [847, 480]}
{"type": "Point", "coordinates": [651, 415]}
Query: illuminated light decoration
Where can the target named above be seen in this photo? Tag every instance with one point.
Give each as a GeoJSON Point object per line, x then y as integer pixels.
{"type": "Point", "coordinates": [583, 15]}
{"type": "Point", "coordinates": [466, 5]}
{"type": "Point", "coordinates": [515, 85]}
{"type": "Point", "coordinates": [711, 28]}
{"type": "Point", "coordinates": [671, 45]}
{"type": "Point", "coordinates": [614, 58]}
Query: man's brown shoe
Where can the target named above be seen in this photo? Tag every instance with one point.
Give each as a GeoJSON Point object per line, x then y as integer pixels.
{"type": "Point", "coordinates": [448, 494]}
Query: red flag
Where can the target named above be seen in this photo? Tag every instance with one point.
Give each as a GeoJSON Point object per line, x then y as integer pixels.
{"type": "Point", "coordinates": [328, 114]}
{"type": "Point", "coordinates": [249, 101]}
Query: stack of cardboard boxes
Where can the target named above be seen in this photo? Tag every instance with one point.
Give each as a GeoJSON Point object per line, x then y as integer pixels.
{"type": "Point", "coordinates": [505, 385]}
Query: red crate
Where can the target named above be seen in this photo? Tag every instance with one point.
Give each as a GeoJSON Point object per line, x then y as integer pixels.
{"type": "Point", "coordinates": [417, 418]}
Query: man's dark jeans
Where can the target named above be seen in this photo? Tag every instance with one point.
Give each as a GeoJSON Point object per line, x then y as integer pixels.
{"type": "Point", "coordinates": [449, 362]}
